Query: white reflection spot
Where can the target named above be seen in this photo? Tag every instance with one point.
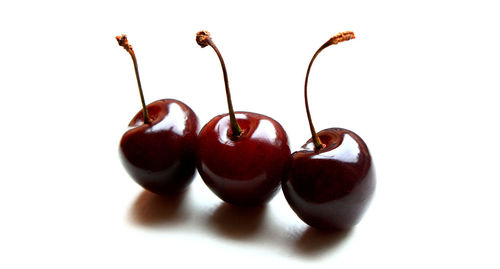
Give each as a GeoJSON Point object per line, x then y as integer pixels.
{"type": "Point", "coordinates": [348, 151]}
{"type": "Point", "coordinates": [175, 121]}
{"type": "Point", "coordinates": [265, 131]}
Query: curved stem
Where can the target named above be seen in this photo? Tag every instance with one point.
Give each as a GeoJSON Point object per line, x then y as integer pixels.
{"type": "Point", "coordinates": [344, 36]}
{"type": "Point", "coordinates": [315, 138]}
{"type": "Point", "coordinates": [122, 41]}
{"type": "Point", "coordinates": [203, 38]}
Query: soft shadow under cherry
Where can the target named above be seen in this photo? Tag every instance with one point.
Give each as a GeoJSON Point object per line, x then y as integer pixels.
{"type": "Point", "coordinates": [314, 242]}
{"type": "Point", "coordinates": [237, 222]}
{"type": "Point", "coordinates": [150, 209]}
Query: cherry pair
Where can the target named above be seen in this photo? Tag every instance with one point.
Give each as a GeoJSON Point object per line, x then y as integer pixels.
{"type": "Point", "coordinates": [243, 156]}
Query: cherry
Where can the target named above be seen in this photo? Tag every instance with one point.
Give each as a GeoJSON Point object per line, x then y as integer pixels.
{"type": "Point", "coordinates": [331, 181]}
{"type": "Point", "coordinates": [242, 156]}
{"type": "Point", "coordinates": [159, 148]}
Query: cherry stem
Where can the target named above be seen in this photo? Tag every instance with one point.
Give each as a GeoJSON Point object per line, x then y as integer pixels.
{"type": "Point", "coordinates": [123, 41]}
{"type": "Point", "coordinates": [203, 39]}
{"type": "Point", "coordinates": [344, 36]}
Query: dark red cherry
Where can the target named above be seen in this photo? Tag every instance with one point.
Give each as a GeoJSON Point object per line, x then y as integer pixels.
{"type": "Point", "coordinates": [331, 188]}
{"type": "Point", "coordinates": [242, 156]}
{"type": "Point", "coordinates": [245, 170]}
{"type": "Point", "coordinates": [161, 155]}
{"type": "Point", "coordinates": [331, 181]}
{"type": "Point", "coordinates": [159, 148]}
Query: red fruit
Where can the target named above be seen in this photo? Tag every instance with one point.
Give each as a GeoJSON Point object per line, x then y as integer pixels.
{"type": "Point", "coordinates": [242, 156]}
{"type": "Point", "coordinates": [331, 188]}
{"type": "Point", "coordinates": [160, 155]}
{"type": "Point", "coordinates": [246, 170]}
{"type": "Point", "coordinates": [159, 149]}
{"type": "Point", "coordinates": [331, 181]}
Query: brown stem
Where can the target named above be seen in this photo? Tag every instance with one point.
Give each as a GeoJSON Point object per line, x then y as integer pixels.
{"type": "Point", "coordinates": [203, 39]}
{"type": "Point", "coordinates": [123, 41]}
{"type": "Point", "coordinates": [344, 36]}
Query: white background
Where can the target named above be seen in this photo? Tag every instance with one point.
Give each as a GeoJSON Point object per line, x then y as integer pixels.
{"type": "Point", "coordinates": [419, 84]}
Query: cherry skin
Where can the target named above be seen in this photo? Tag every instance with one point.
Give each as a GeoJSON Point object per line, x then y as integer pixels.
{"type": "Point", "coordinates": [161, 155]}
{"type": "Point", "coordinates": [331, 188]}
{"type": "Point", "coordinates": [246, 170]}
